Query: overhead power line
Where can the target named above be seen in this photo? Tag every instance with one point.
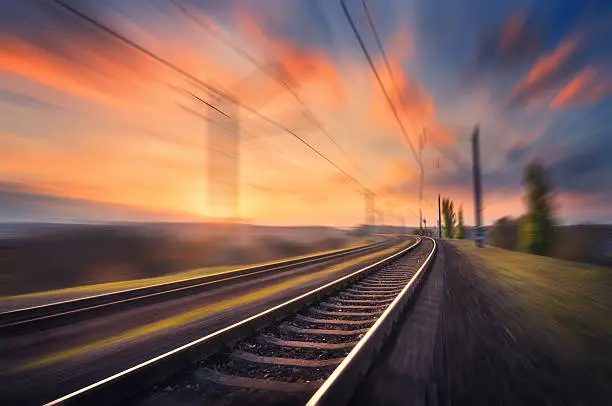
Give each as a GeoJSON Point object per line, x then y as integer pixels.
{"type": "Point", "coordinates": [245, 54]}
{"type": "Point", "coordinates": [385, 59]}
{"type": "Point", "coordinates": [381, 48]}
{"type": "Point", "coordinates": [416, 155]}
{"type": "Point", "coordinates": [132, 44]}
{"type": "Point", "coordinates": [264, 147]}
{"type": "Point", "coordinates": [207, 86]}
{"type": "Point", "coordinates": [379, 80]}
{"type": "Point", "coordinates": [451, 154]}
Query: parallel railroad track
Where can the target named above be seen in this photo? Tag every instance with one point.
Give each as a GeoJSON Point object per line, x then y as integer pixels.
{"type": "Point", "coordinates": [52, 315]}
{"type": "Point", "coordinates": [311, 349]}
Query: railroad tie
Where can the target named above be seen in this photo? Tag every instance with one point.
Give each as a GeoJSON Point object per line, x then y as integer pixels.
{"type": "Point", "coordinates": [306, 344]}
{"type": "Point", "coordinates": [205, 374]}
{"type": "Point", "coordinates": [320, 331]}
{"type": "Point", "coordinates": [340, 312]}
{"type": "Point", "coordinates": [334, 321]}
{"type": "Point", "coordinates": [292, 362]}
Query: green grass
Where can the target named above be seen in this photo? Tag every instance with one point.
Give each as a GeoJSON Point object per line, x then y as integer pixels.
{"type": "Point", "coordinates": [99, 288]}
{"type": "Point", "coordinates": [572, 302]}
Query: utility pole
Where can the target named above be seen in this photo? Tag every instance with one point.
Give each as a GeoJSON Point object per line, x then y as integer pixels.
{"type": "Point", "coordinates": [420, 219]}
{"type": "Point", "coordinates": [422, 139]}
{"type": "Point", "coordinates": [439, 219]}
{"type": "Point", "coordinates": [223, 155]}
{"type": "Point", "coordinates": [477, 187]}
{"type": "Point", "coordinates": [223, 158]}
{"type": "Point", "coordinates": [381, 217]}
{"type": "Point", "coordinates": [370, 212]}
{"type": "Point", "coordinates": [391, 216]}
{"type": "Point", "coordinates": [421, 145]}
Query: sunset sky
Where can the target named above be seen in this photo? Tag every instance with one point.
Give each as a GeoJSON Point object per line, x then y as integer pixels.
{"type": "Point", "coordinates": [92, 129]}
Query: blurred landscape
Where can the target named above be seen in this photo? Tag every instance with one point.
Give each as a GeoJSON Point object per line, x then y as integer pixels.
{"type": "Point", "coordinates": [588, 243]}
{"type": "Point", "coordinates": [39, 256]}
{"type": "Point", "coordinates": [144, 142]}
{"type": "Point", "coordinates": [540, 323]}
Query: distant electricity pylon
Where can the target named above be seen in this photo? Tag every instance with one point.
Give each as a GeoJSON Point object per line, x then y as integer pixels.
{"type": "Point", "coordinates": [370, 211]}
{"type": "Point", "coordinates": [223, 163]}
{"type": "Point", "coordinates": [422, 142]}
{"type": "Point", "coordinates": [224, 138]}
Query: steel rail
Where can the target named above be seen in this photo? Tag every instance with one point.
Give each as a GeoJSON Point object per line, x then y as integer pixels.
{"type": "Point", "coordinates": [130, 382]}
{"type": "Point", "coordinates": [340, 385]}
{"type": "Point", "coordinates": [69, 311]}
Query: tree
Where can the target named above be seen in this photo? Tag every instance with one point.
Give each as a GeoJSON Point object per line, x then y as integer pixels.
{"type": "Point", "coordinates": [537, 228]}
{"type": "Point", "coordinates": [418, 231]}
{"type": "Point", "coordinates": [504, 233]}
{"type": "Point", "coordinates": [422, 232]}
{"type": "Point", "coordinates": [460, 234]}
{"type": "Point", "coordinates": [448, 214]}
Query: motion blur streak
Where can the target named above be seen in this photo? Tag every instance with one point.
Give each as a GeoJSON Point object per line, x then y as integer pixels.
{"type": "Point", "coordinates": [154, 140]}
{"type": "Point", "coordinates": [95, 130]}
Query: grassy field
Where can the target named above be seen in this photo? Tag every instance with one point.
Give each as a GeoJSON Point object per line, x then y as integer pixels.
{"type": "Point", "coordinates": [571, 302]}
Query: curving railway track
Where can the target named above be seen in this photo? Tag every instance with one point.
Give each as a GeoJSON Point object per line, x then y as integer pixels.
{"type": "Point", "coordinates": [36, 318]}
{"type": "Point", "coordinates": [311, 349]}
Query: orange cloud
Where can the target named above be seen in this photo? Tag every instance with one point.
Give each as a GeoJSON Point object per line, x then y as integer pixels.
{"type": "Point", "coordinates": [36, 64]}
{"type": "Point", "coordinates": [545, 66]}
{"type": "Point", "coordinates": [301, 65]}
{"type": "Point", "coordinates": [103, 70]}
{"type": "Point", "coordinates": [414, 104]}
{"type": "Point", "coordinates": [331, 187]}
{"type": "Point", "coordinates": [551, 62]}
{"type": "Point", "coordinates": [121, 165]}
{"type": "Point", "coordinates": [323, 77]}
{"type": "Point", "coordinates": [400, 176]}
{"type": "Point", "coordinates": [577, 86]}
{"type": "Point", "coordinates": [105, 169]}
{"type": "Point", "coordinates": [401, 171]}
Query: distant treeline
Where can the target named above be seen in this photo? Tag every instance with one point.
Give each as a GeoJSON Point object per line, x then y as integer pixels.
{"type": "Point", "coordinates": [537, 231]}
{"type": "Point", "coordinates": [581, 243]}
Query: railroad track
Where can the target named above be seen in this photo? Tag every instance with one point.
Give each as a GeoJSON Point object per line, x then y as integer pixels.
{"type": "Point", "coordinates": [36, 318]}
{"type": "Point", "coordinates": [311, 349]}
